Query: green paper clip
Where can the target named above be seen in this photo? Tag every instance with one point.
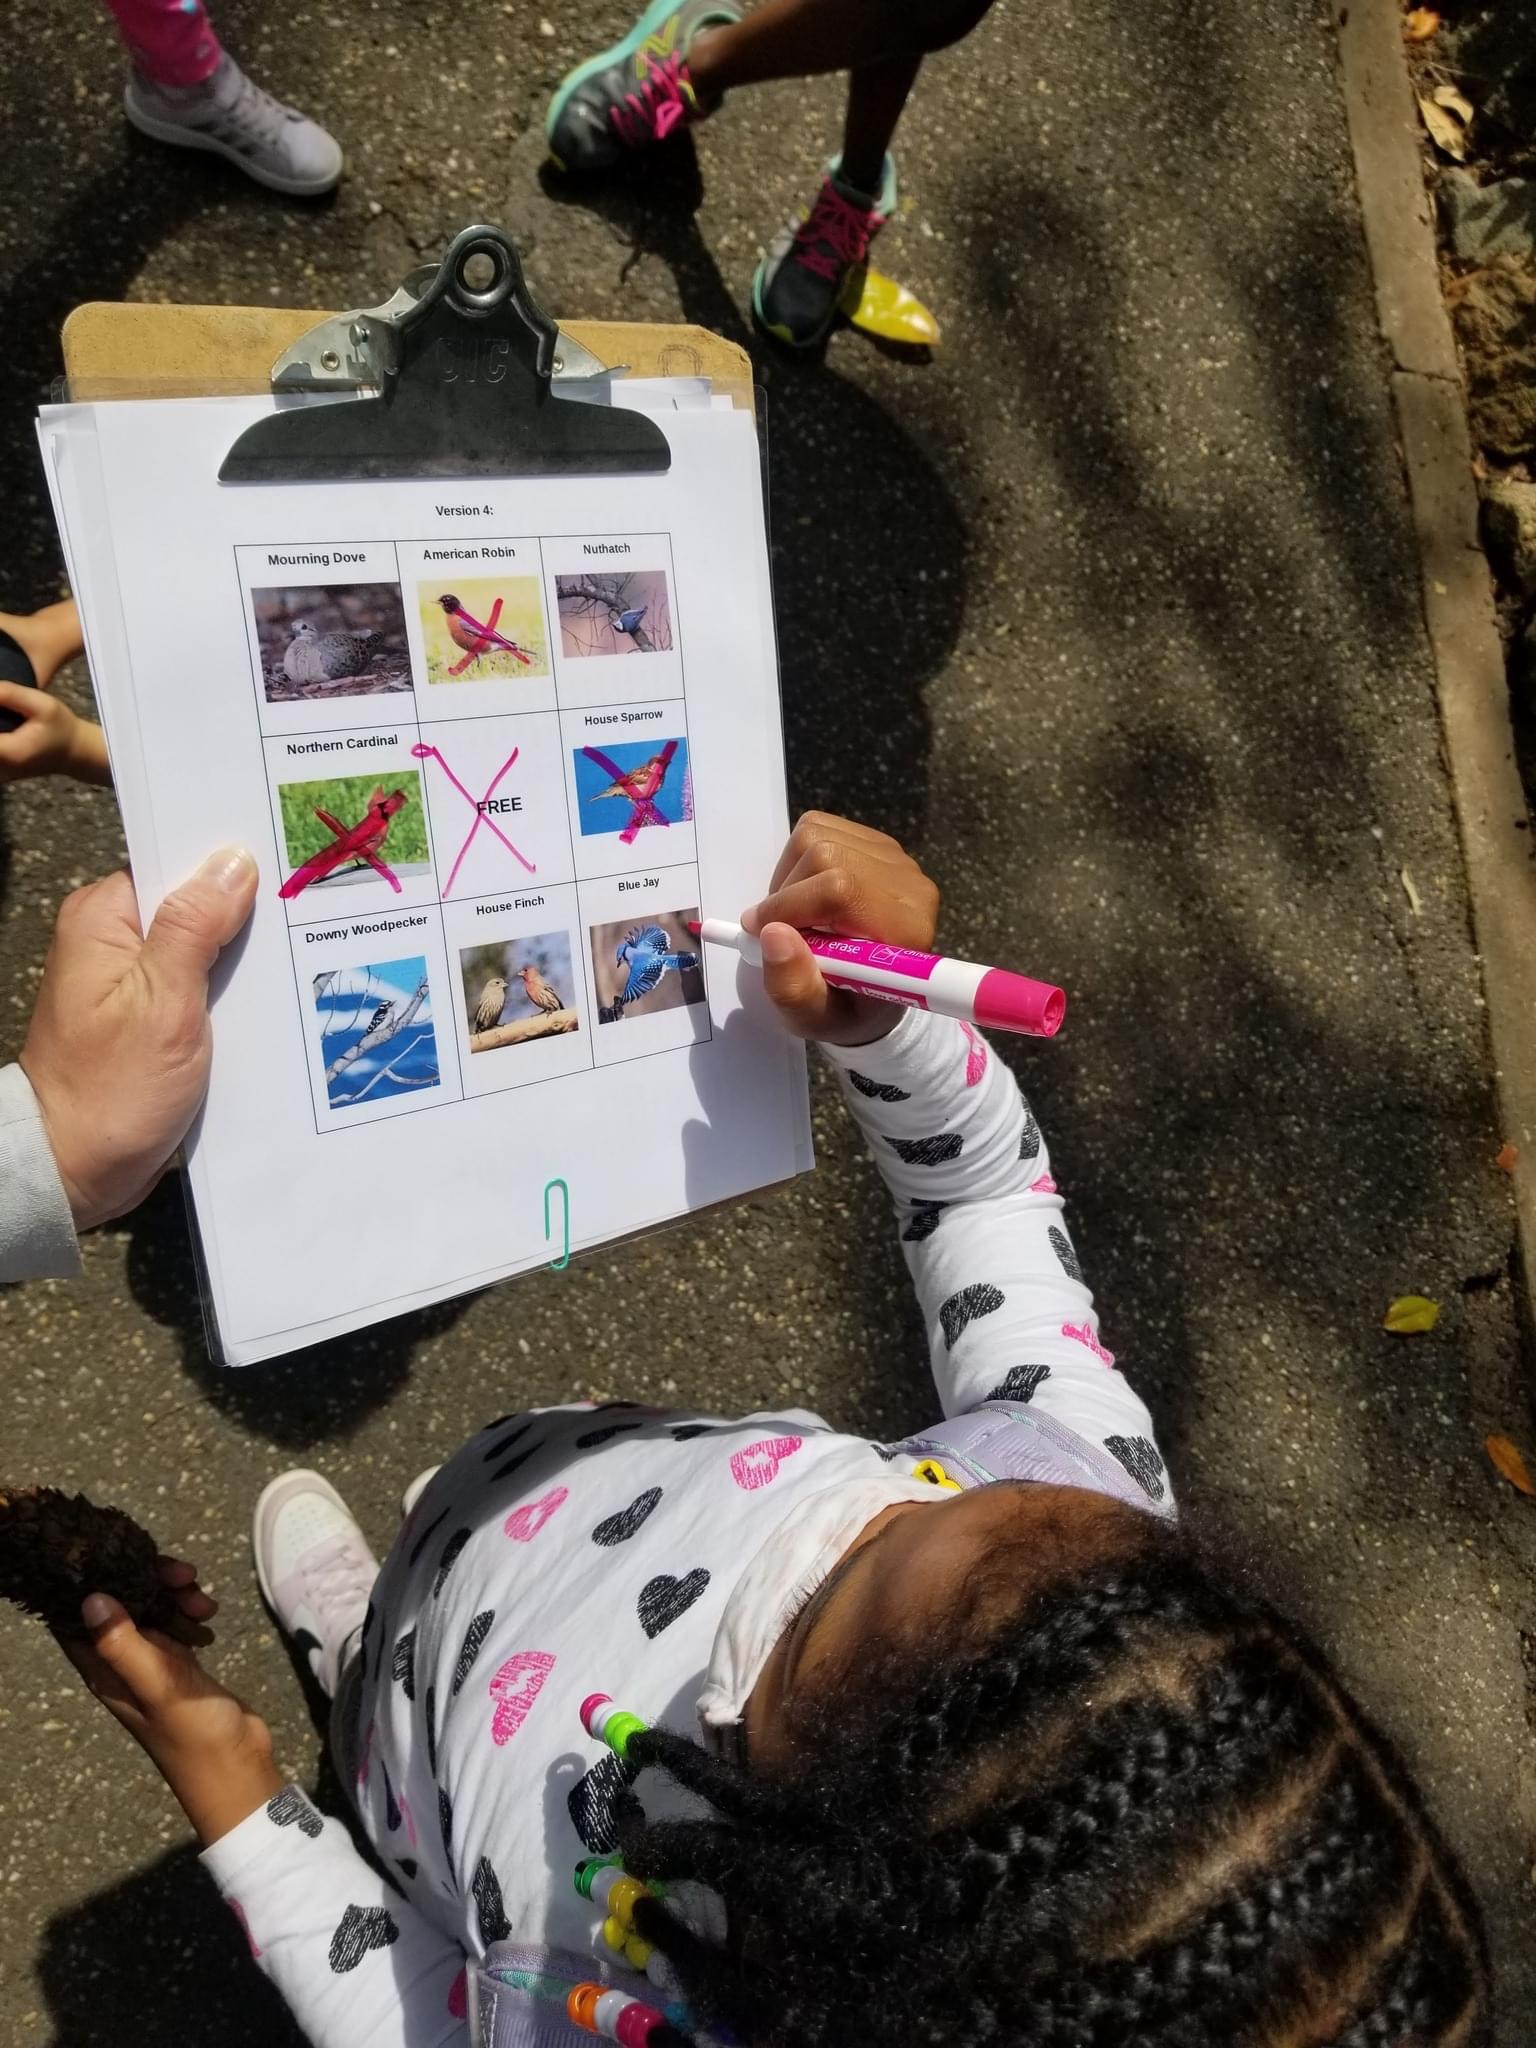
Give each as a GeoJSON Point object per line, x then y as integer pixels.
{"type": "Point", "coordinates": [559, 1265]}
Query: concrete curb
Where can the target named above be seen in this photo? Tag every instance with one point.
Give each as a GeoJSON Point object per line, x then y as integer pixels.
{"type": "Point", "coordinates": [1458, 594]}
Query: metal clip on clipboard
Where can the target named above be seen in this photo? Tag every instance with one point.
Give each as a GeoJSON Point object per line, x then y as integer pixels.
{"type": "Point", "coordinates": [452, 377]}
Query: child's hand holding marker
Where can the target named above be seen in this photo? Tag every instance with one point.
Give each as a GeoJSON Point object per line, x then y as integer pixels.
{"type": "Point", "coordinates": [836, 876]}
{"type": "Point", "coordinates": [843, 937]}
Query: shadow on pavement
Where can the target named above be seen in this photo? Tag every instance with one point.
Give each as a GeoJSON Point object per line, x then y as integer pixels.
{"type": "Point", "coordinates": [153, 1959]}
{"type": "Point", "coordinates": [307, 1398]}
{"type": "Point", "coordinates": [869, 598]}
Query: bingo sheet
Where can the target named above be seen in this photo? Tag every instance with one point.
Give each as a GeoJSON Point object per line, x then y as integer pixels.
{"type": "Point", "coordinates": [494, 746]}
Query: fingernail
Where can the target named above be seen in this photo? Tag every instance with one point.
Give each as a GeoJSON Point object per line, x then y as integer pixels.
{"type": "Point", "coordinates": [96, 1610]}
{"type": "Point", "coordinates": [231, 868]}
{"type": "Point", "coordinates": [778, 944]}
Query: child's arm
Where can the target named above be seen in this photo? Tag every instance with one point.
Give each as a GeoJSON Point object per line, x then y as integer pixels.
{"type": "Point", "coordinates": [50, 740]}
{"type": "Point", "coordinates": [980, 1219]}
{"type": "Point", "coordinates": [358, 1965]}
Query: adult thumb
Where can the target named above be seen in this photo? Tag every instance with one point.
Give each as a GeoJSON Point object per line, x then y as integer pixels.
{"type": "Point", "coordinates": [196, 921]}
{"type": "Point", "coordinates": [793, 980]}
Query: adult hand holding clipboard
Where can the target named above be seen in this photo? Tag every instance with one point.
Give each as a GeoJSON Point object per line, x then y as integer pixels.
{"type": "Point", "coordinates": [118, 1047]}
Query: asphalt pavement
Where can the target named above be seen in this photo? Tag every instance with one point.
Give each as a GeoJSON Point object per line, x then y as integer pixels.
{"type": "Point", "coordinates": [1111, 611]}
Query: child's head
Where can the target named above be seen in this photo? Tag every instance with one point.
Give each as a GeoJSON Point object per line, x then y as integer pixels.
{"type": "Point", "coordinates": [1027, 1771]}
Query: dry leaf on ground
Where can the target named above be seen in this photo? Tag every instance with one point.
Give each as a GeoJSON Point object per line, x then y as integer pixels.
{"type": "Point", "coordinates": [1504, 1159]}
{"type": "Point", "coordinates": [1508, 1462]}
{"type": "Point", "coordinates": [1420, 23]}
{"type": "Point", "coordinates": [1410, 1314]}
{"type": "Point", "coordinates": [1446, 131]}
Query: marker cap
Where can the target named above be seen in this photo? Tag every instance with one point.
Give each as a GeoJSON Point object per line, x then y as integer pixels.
{"type": "Point", "coordinates": [1013, 1002]}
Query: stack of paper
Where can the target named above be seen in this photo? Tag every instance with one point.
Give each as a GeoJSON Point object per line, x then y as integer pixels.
{"type": "Point", "coordinates": [493, 746]}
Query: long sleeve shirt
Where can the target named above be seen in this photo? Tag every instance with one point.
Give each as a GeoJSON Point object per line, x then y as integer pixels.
{"type": "Point", "coordinates": [37, 1232]}
{"type": "Point", "coordinates": [657, 1557]}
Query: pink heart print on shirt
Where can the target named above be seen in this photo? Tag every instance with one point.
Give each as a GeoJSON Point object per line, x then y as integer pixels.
{"type": "Point", "coordinates": [524, 1523]}
{"type": "Point", "coordinates": [975, 1054]}
{"type": "Point", "coordinates": [515, 1688]}
{"type": "Point", "coordinates": [1045, 1185]}
{"type": "Point", "coordinates": [758, 1464]}
{"type": "Point", "coordinates": [1082, 1333]}
{"type": "Point", "coordinates": [458, 1997]}
{"type": "Point", "coordinates": [238, 1910]}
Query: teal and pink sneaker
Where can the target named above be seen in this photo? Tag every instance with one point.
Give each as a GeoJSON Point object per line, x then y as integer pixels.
{"type": "Point", "coordinates": [802, 281]}
{"type": "Point", "coordinates": [635, 93]}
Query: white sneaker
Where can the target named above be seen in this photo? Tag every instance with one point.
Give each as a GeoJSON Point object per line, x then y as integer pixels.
{"type": "Point", "coordinates": [315, 1568]}
{"type": "Point", "coordinates": [231, 115]}
{"type": "Point", "coordinates": [416, 1489]}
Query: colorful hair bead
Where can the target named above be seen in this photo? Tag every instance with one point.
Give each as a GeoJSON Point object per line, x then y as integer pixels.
{"type": "Point", "coordinates": [615, 1933]}
{"type": "Point", "coordinates": [586, 1873]}
{"type": "Point", "coordinates": [581, 2005]}
{"type": "Point", "coordinates": [637, 1952]}
{"type": "Point", "coordinates": [605, 1722]}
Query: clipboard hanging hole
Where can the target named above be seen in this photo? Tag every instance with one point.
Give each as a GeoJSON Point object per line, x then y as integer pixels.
{"type": "Point", "coordinates": [483, 276]}
{"type": "Point", "coordinates": [559, 1265]}
{"type": "Point", "coordinates": [329, 360]}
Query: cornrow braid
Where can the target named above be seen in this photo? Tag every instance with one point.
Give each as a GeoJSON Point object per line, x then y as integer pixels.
{"type": "Point", "coordinates": [1133, 1811]}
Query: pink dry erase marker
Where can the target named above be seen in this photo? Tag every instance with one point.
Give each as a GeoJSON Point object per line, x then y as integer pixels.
{"type": "Point", "coordinates": [950, 988]}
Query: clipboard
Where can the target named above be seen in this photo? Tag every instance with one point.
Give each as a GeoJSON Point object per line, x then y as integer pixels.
{"type": "Point", "coordinates": [114, 350]}
{"type": "Point", "coordinates": [461, 358]}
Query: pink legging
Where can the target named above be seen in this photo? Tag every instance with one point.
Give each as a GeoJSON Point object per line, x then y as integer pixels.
{"type": "Point", "coordinates": [171, 41]}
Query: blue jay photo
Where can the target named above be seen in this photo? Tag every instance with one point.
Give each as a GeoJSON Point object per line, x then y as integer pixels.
{"type": "Point", "coordinates": [646, 954]}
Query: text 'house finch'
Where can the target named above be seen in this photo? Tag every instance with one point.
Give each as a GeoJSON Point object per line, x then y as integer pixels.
{"type": "Point", "coordinates": [488, 1010]}
{"type": "Point", "coordinates": [538, 990]}
{"type": "Point", "coordinates": [312, 657]}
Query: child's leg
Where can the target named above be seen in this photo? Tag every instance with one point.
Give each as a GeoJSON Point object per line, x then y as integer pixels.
{"type": "Point", "coordinates": [876, 95]}
{"type": "Point", "coordinates": [795, 38]}
{"type": "Point", "coordinates": [169, 41]}
{"type": "Point", "coordinates": [186, 89]}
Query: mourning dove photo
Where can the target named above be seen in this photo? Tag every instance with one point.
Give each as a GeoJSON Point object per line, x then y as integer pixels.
{"type": "Point", "coordinates": [488, 1010]}
{"type": "Point", "coordinates": [312, 657]}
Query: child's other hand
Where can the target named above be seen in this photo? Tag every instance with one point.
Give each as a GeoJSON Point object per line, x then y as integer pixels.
{"type": "Point", "coordinates": [51, 739]}
{"type": "Point", "coordinates": [211, 1749]}
{"type": "Point", "coordinates": [835, 876]}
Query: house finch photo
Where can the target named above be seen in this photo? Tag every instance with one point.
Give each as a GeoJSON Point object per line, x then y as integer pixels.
{"type": "Point", "coordinates": [538, 990]}
{"type": "Point", "coordinates": [513, 997]}
{"type": "Point", "coordinates": [487, 1012]}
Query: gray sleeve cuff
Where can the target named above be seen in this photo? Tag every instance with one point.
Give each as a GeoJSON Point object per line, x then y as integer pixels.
{"type": "Point", "coordinates": [37, 1232]}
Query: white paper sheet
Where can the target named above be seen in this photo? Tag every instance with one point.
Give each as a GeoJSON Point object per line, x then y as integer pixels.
{"type": "Point", "coordinates": [337, 1182]}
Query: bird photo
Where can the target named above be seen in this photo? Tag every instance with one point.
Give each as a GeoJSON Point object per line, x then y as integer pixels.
{"type": "Point", "coordinates": [337, 640]}
{"type": "Point", "coordinates": [486, 1014]}
{"type": "Point", "coordinates": [477, 638]}
{"type": "Point", "coordinates": [626, 786]}
{"type": "Point", "coordinates": [642, 968]}
{"type": "Point", "coordinates": [542, 994]}
{"type": "Point", "coordinates": [519, 991]}
{"type": "Point", "coordinates": [377, 1040]}
{"type": "Point", "coordinates": [484, 629]}
{"type": "Point", "coordinates": [352, 828]}
{"type": "Point", "coordinates": [614, 611]}
{"type": "Point", "coordinates": [312, 657]}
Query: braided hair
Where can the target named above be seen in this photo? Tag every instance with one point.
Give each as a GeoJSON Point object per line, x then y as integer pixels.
{"type": "Point", "coordinates": [1132, 1809]}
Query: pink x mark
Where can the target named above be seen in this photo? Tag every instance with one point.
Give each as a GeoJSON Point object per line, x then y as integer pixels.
{"type": "Point", "coordinates": [426, 753]}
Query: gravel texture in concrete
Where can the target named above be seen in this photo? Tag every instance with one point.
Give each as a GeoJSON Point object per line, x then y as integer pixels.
{"type": "Point", "coordinates": [1111, 611]}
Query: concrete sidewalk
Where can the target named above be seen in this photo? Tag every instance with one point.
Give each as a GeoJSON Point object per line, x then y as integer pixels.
{"type": "Point", "coordinates": [1119, 624]}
